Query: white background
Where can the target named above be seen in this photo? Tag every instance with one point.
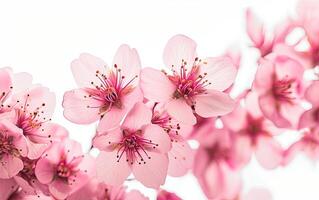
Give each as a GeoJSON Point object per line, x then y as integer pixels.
{"type": "Point", "coordinates": [43, 38]}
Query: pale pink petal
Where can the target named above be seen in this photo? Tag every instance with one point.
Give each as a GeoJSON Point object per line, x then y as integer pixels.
{"type": "Point", "coordinates": [178, 109]}
{"type": "Point", "coordinates": [214, 103]}
{"type": "Point", "coordinates": [35, 150]}
{"type": "Point", "coordinates": [78, 108]}
{"type": "Point", "coordinates": [213, 178]}
{"type": "Point", "coordinates": [269, 153]}
{"type": "Point", "coordinates": [107, 140]}
{"type": "Point", "coordinates": [5, 81]}
{"type": "Point", "coordinates": [59, 189]}
{"type": "Point", "coordinates": [128, 61]}
{"type": "Point", "coordinates": [181, 158]}
{"type": "Point", "coordinates": [9, 166]}
{"type": "Point", "coordinates": [21, 81]}
{"type": "Point", "coordinates": [158, 136]}
{"type": "Point", "coordinates": [288, 67]}
{"type": "Point", "coordinates": [255, 29]}
{"type": "Point", "coordinates": [221, 72]}
{"type": "Point", "coordinates": [264, 76]}
{"type": "Point", "coordinates": [312, 94]}
{"type": "Point", "coordinates": [156, 86]}
{"type": "Point", "coordinates": [138, 116]}
{"type": "Point", "coordinates": [237, 119]}
{"type": "Point", "coordinates": [84, 69]}
{"type": "Point", "coordinates": [178, 49]}
{"type": "Point", "coordinates": [231, 180]}
{"type": "Point", "coordinates": [26, 187]}
{"type": "Point", "coordinates": [44, 171]}
{"type": "Point", "coordinates": [243, 149]}
{"type": "Point", "coordinates": [111, 169]}
{"type": "Point", "coordinates": [153, 173]}
{"type": "Point", "coordinates": [267, 105]}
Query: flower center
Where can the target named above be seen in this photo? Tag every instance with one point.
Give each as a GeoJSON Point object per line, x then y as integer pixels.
{"type": "Point", "coordinates": [28, 172]}
{"type": "Point", "coordinates": [188, 83]}
{"type": "Point", "coordinates": [284, 90]}
{"type": "Point", "coordinates": [217, 152]}
{"type": "Point", "coordinates": [6, 145]}
{"type": "Point", "coordinates": [135, 147]}
{"type": "Point", "coordinates": [63, 170]}
{"type": "Point", "coordinates": [110, 89]}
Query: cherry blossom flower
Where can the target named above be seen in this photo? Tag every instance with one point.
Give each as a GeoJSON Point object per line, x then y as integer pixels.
{"type": "Point", "coordinates": [164, 195]}
{"type": "Point", "coordinates": [12, 147]}
{"type": "Point", "coordinates": [181, 154]}
{"type": "Point", "coordinates": [105, 93]}
{"type": "Point", "coordinates": [216, 168]}
{"type": "Point", "coordinates": [263, 41]}
{"type": "Point", "coordinates": [195, 85]}
{"type": "Point", "coordinates": [136, 146]}
{"type": "Point", "coordinates": [254, 134]}
{"type": "Point", "coordinates": [64, 168]}
{"type": "Point", "coordinates": [279, 84]}
{"type": "Point", "coordinates": [7, 188]}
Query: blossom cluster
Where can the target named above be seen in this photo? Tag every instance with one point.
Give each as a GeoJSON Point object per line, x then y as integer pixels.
{"type": "Point", "coordinates": [147, 117]}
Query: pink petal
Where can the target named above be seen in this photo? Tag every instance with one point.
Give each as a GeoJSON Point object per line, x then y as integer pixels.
{"type": "Point", "coordinates": [181, 158]}
{"type": "Point", "coordinates": [84, 69]}
{"type": "Point", "coordinates": [312, 94]}
{"type": "Point", "coordinates": [288, 67]}
{"type": "Point", "coordinates": [26, 187]}
{"type": "Point", "coordinates": [243, 149]}
{"type": "Point", "coordinates": [156, 86]}
{"type": "Point", "coordinates": [128, 61]}
{"type": "Point", "coordinates": [79, 109]}
{"type": "Point", "coordinates": [107, 140]}
{"type": "Point", "coordinates": [21, 81]}
{"type": "Point", "coordinates": [59, 189]}
{"type": "Point", "coordinates": [213, 104]}
{"type": "Point", "coordinates": [9, 166]}
{"type": "Point", "coordinates": [255, 29]}
{"type": "Point", "coordinates": [158, 136]}
{"type": "Point", "coordinates": [7, 187]}
{"type": "Point", "coordinates": [236, 120]}
{"type": "Point", "coordinates": [135, 195]}
{"type": "Point", "coordinates": [5, 81]}
{"type": "Point", "coordinates": [292, 151]}
{"type": "Point", "coordinates": [138, 116]}
{"type": "Point", "coordinates": [44, 171]}
{"type": "Point", "coordinates": [264, 76]}
{"type": "Point", "coordinates": [221, 72]}
{"type": "Point", "coordinates": [153, 173]}
{"type": "Point", "coordinates": [35, 150]}
{"type": "Point", "coordinates": [232, 181]}
{"type": "Point", "coordinates": [109, 170]}
{"type": "Point", "coordinates": [267, 105]}
{"type": "Point", "coordinates": [213, 181]}
{"type": "Point", "coordinates": [178, 109]}
{"type": "Point", "coordinates": [179, 48]}
{"type": "Point", "coordinates": [269, 152]}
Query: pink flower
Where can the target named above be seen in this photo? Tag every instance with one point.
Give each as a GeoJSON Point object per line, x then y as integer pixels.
{"type": "Point", "coordinates": [136, 146]}
{"type": "Point", "coordinates": [64, 168]}
{"type": "Point", "coordinates": [279, 84]}
{"type": "Point", "coordinates": [262, 40]}
{"type": "Point", "coordinates": [194, 86]}
{"type": "Point", "coordinates": [216, 168]}
{"type": "Point", "coordinates": [12, 147]}
{"type": "Point", "coordinates": [105, 93]}
{"type": "Point", "coordinates": [181, 154]}
{"type": "Point", "coordinates": [164, 195]}
{"type": "Point", "coordinates": [254, 134]}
